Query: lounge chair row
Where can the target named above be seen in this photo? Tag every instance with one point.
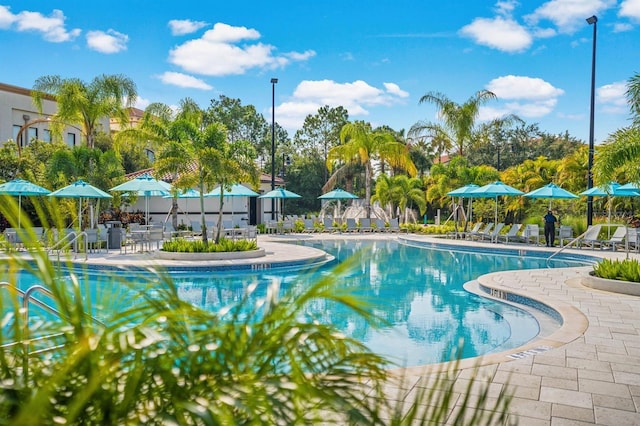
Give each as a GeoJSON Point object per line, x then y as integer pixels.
{"type": "Point", "coordinates": [352, 225]}
{"type": "Point", "coordinates": [516, 233]}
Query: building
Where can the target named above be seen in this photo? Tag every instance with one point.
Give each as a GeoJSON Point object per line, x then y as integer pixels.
{"type": "Point", "coordinates": [20, 120]}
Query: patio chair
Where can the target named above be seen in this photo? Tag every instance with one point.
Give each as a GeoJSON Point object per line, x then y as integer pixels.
{"type": "Point", "coordinates": [616, 239]}
{"type": "Point", "coordinates": [632, 237]}
{"type": "Point", "coordinates": [493, 235]}
{"type": "Point", "coordinates": [467, 235]}
{"type": "Point", "coordinates": [365, 225]}
{"type": "Point", "coordinates": [512, 233]}
{"type": "Point", "coordinates": [309, 226]}
{"type": "Point", "coordinates": [394, 225]}
{"type": "Point", "coordinates": [484, 231]}
{"type": "Point", "coordinates": [531, 233]}
{"type": "Point", "coordinates": [94, 243]}
{"type": "Point", "coordinates": [352, 226]}
{"type": "Point", "coordinates": [565, 233]}
{"type": "Point", "coordinates": [591, 237]}
{"type": "Point", "coordinates": [381, 226]}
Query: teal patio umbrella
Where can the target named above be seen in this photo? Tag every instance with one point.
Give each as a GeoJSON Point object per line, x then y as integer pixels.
{"type": "Point", "coordinates": [235, 190]}
{"type": "Point", "coordinates": [465, 192]}
{"type": "Point", "coordinates": [81, 190]}
{"type": "Point", "coordinates": [145, 186]}
{"type": "Point", "coordinates": [21, 187]}
{"type": "Point", "coordinates": [282, 194]}
{"type": "Point", "coordinates": [338, 194]}
{"type": "Point", "coordinates": [551, 191]}
{"type": "Point", "coordinates": [494, 190]}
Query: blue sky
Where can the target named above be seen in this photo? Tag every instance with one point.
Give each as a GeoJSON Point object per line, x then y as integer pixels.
{"type": "Point", "coordinates": [375, 58]}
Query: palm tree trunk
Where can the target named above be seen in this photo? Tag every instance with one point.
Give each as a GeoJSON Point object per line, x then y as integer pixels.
{"type": "Point", "coordinates": [220, 215]}
{"type": "Point", "coordinates": [367, 186]}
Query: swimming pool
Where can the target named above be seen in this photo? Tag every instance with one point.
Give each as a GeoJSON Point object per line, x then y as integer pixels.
{"type": "Point", "coordinates": [417, 291]}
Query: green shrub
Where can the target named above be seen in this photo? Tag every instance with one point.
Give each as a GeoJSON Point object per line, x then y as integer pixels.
{"type": "Point", "coordinates": [180, 245]}
{"type": "Point", "coordinates": [625, 270]}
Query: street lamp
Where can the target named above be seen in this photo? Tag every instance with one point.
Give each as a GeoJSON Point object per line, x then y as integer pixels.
{"type": "Point", "coordinates": [591, 21]}
{"type": "Point", "coordinates": [38, 120]}
{"type": "Point", "coordinates": [273, 144]}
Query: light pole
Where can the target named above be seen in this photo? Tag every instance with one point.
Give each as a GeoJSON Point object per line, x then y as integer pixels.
{"type": "Point", "coordinates": [591, 21]}
{"type": "Point", "coordinates": [273, 144]}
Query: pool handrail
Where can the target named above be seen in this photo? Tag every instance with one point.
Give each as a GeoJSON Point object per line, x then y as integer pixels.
{"type": "Point", "coordinates": [576, 239]}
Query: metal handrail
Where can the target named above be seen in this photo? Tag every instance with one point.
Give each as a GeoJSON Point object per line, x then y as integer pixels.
{"type": "Point", "coordinates": [69, 239]}
{"type": "Point", "coordinates": [27, 299]}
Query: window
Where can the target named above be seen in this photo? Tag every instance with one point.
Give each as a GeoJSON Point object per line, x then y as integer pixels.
{"type": "Point", "coordinates": [71, 139]}
{"type": "Point", "coordinates": [32, 133]}
{"type": "Point", "coordinates": [16, 130]}
{"type": "Point", "coordinates": [46, 135]}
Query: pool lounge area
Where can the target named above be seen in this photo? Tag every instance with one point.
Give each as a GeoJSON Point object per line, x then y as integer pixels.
{"type": "Point", "coordinates": [585, 372]}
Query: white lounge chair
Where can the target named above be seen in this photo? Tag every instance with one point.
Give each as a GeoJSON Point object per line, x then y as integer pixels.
{"type": "Point", "coordinates": [365, 225]}
{"type": "Point", "coordinates": [591, 237]}
{"type": "Point", "coordinates": [352, 226]}
{"type": "Point", "coordinates": [512, 233]}
{"type": "Point", "coordinates": [493, 234]}
{"type": "Point", "coordinates": [484, 231]}
{"type": "Point", "coordinates": [531, 233]}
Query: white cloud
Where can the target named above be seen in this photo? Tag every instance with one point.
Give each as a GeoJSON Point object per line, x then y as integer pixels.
{"type": "Point", "coordinates": [51, 27]}
{"type": "Point", "coordinates": [521, 87]}
{"type": "Point", "coordinates": [621, 27]}
{"type": "Point", "coordinates": [394, 89]}
{"type": "Point", "coordinates": [612, 97]}
{"type": "Point", "coordinates": [630, 9]}
{"type": "Point", "coordinates": [6, 17]}
{"type": "Point", "coordinates": [142, 103]}
{"type": "Point", "coordinates": [498, 33]}
{"type": "Point", "coordinates": [184, 80]}
{"type": "Point", "coordinates": [108, 42]}
{"type": "Point", "coordinates": [185, 26]}
{"type": "Point", "coordinates": [528, 97]}
{"type": "Point", "coordinates": [357, 97]}
{"type": "Point", "coordinates": [569, 15]}
{"type": "Point", "coordinates": [218, 52]}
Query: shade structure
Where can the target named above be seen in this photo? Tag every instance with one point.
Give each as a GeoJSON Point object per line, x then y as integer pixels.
{"type": "Point", "coordinates": [145, 186]}
{"type": "Point", "coordinates": [465, 192]}
{"type": "Point", "coordinates": [80, 189]}
{"type": "Point", "coordinates": [609, 189]}
{"type": "Point", "coordinates": [21, 187]}
{"type": "Point", "coordinates": [282, 194]}
{"type": "Point", "coordinates": [236, 190]}
{"type": "Point", "coordinates": [551, 191]}
{"type": "Point", "coordinates": [494, 190]}
{"type": "Point", "coordinates": [338, 194]}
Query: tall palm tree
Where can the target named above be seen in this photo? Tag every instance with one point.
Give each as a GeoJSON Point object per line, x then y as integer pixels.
{"type": "Point", "coordinates": [360, 144]}
{"type": "Point", "coordinates": [458, 119]}
{"type": "Point", "coordinates": [84, 104]}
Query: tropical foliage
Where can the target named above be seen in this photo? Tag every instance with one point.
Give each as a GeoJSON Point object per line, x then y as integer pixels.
{"type": "Point", "coordinates": [625, 270]}
{"type": "Point", "coordinates": [85, 104]}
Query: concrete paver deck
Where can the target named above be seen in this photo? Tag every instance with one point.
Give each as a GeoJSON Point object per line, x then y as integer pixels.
{"type": "Point", "coordinates": [586, 372]}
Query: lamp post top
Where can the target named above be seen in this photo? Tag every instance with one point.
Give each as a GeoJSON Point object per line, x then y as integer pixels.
{"type": "Point", "coordinates": [592, 20]}
{"type": "Point", "coordinates": [274, 80]}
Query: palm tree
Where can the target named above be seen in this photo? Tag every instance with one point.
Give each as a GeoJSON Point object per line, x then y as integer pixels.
{"type": "Point", "coordinates": [360, 144]}
{"type": "Point", "coordinates": [458, 119]}
{"type": "Point", "coordinates": [408, 192]}
{"type": "Point", "coordinates": [84, 104]}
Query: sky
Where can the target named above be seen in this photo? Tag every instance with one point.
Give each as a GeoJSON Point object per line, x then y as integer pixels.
{"type": "Point", "coordinates": [376, 58]}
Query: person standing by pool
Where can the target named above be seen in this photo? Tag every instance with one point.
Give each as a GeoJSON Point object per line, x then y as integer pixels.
{"type": "Point", "coordinates": [550, 228]}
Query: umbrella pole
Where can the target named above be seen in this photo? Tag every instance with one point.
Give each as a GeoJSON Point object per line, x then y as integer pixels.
{"type": "Point", "coordinates": [19, 210]}
{"type": "Point", "coordinates": [496, 222]}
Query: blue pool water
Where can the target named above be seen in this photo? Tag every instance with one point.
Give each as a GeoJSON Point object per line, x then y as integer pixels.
{"type": "Point", "coordinates": [417, 291]}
